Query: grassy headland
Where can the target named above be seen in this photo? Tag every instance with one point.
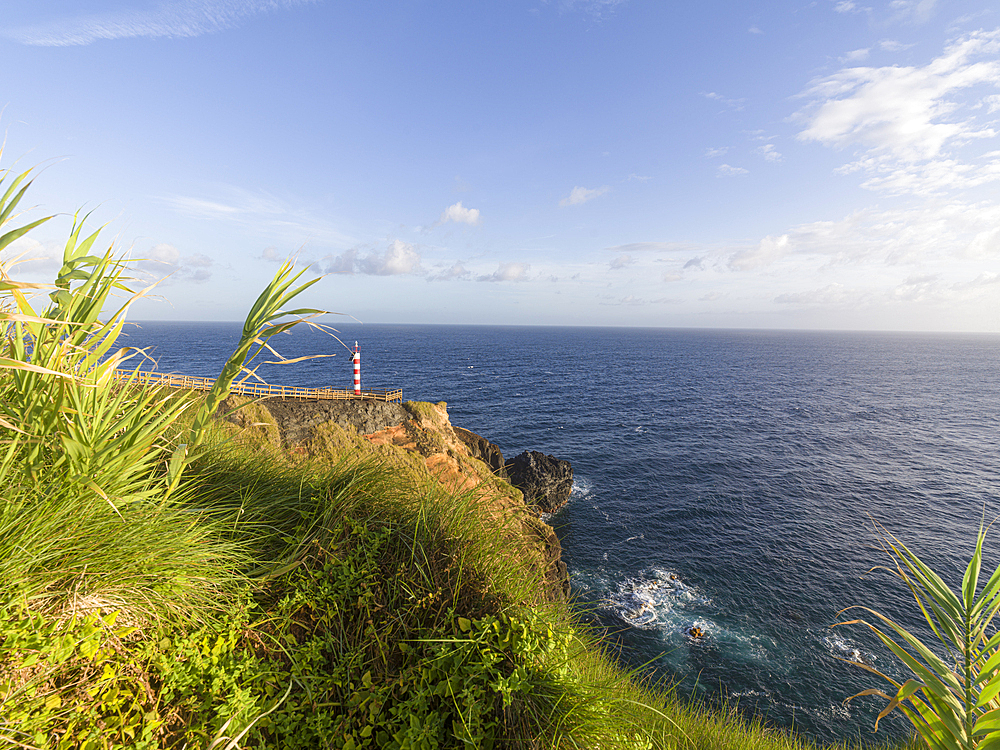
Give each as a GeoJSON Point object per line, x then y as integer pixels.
{"type": "Point", "coordinates": [348, 599]}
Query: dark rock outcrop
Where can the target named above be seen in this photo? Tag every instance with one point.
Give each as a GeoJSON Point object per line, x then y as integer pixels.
{"type": "Point", "coordinates": [545, 480]}
{"type": "Point", "coordinates": [481, 448]}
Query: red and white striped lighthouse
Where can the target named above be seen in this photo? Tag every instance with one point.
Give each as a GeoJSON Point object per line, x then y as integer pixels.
{"type": "Point", "coordinates": [357, 370]}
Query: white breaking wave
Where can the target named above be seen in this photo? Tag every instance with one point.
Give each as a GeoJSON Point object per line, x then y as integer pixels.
{"type": "Point", "coordinates": [684, 617]}
{"type": "Point", "coordinates": [657, 599]}
{"type": "Point", "coordinates": [844, 648]}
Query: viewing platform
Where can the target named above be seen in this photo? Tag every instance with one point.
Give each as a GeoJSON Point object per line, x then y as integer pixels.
{"type": "Point", "coordinates": [260, 390]}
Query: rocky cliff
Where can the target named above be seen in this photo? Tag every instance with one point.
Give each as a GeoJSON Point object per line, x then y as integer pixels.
{"type": "Point", "coordinates": [546, 481]}
{"type": "Point", "coordinates": [419, 439]}
{"type": "Point", "coordinates": [481, 448]}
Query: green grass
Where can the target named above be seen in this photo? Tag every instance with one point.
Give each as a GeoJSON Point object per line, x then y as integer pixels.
{"type": "Point", "coordinates": [423, 410]}
{"type": "Point", "coordinates": [347, 598]}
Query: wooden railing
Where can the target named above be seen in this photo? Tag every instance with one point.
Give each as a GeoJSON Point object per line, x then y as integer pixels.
{"type": "Point", "coordinates": [258, 390]}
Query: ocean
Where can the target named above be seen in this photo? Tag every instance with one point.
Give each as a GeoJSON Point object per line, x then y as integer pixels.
{"type": "Point", "coordinates": [724, 479]}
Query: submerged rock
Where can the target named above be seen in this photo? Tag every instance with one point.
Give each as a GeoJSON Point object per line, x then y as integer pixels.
{"type": "Point", "coordinates": [546, 481]}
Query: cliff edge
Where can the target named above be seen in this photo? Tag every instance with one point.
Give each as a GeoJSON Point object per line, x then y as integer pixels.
{"type": "Point", "coordinates": [418, 439]}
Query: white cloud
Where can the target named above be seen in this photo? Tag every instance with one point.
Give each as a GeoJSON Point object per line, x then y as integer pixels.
{"type": "Point", "coordinates": [712, 152]}
{"type": "Point", "coordinates": [725, 169]}
{"type": "Point", "coordinates": [767, 251]}
{"type": "Point", "coordinates": [845, 6]}
{"type": "Point", "coordinates": [931, 288]}
{"type": "Point", "coordinates": [934, 233]}
{"type": "Point", "coordinates": [634, 301]}
{"type": "Point", "coordinates": [460, 215]}
{"type": "Point", "coordinates": [36, 260]}
{"type": "Point", "coordinates": [652, 247]}
{"type": "Point", "coordinates": [916, 288]}
{"type": "Point", "coordinates": [929, 178]}
{"type": "Point", "coordinates": [912, 11]}
{"type": "Point", "coordinates": [164, 260]}
{"type": "Point", "coordinates": [622, 261]}
{"type": "Point", "coordinates": [736, 104]}
{"type": "Point", "coordinates": [891, 45]}
{"type": "Point", "coordinates": [902, 110]}
{"type": "Point", "coordinates": [508, 272]}
{"type": "Point", "coordinates": [456, 271]}
{"type": "Point", "coordinates": [925, 289]}
{"type": "Point", "coordinates": [580, 195]}
{"type": "Point", "coordinates": [769, 152]}
{"type": "Point", "coordinates": [29, 257]}
{"type": "Point", "coordinates": [985, 244]}
{"type": "Point", "coordinates": [984, 280]}
{"type": "Point", "coordinates": [905, 120]}
{"type": "Point", "coordinates": [171, 18]}
{"type": "Point", "coordinates": [203, 208]}
{"type": "Point", "coordinates": [399, 258]}
{"type": "Point", "coordinates": [596, 8]}
{"type": "Point", "coordinates": [856, 55]}
{"type": "Point", "coordinates": [754, 30]}
{"type": "Point", "coordinates": [198, 260]}
{"type": "Point", "coordinates": [346, 262]}
{"type": "Point", "coordinates": [834, 294]}
{"type": "Point", "coordinates": [396, 260]}
{"type": "Point", "coordinates": [163, 254]}
{"type": "Point", "coordinates": [264, 215]}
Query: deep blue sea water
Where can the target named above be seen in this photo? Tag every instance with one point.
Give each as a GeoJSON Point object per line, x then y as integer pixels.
{"type": "Point", "coordinates": [723, 479]}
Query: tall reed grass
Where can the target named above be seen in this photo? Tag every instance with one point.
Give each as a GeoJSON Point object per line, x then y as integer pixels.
{"type": "Point", "coordinates": [89, 465]}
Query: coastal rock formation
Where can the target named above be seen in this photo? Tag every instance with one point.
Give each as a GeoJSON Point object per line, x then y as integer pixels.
{"type": "Point", "coordinates": [545, 480]}
{"type": "Point", "coordinates": [297, 418]}
{"type": "Point", "coordinates": [419, 440]}
{"type": "Point", "coordinates": [482, 449]}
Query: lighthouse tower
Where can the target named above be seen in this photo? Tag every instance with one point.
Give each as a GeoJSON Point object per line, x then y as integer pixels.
{"type": "Point", "coordinates": [357, 370]}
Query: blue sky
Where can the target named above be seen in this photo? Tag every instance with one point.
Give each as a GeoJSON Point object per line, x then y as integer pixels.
{"type": "Point", "coordinates": [828, 164]}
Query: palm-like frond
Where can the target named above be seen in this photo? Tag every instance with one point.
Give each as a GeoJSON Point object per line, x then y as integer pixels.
{"type": "Point", "coordinates": [266, 319]}
{"type": "Point", "coordinates": [952, 701]}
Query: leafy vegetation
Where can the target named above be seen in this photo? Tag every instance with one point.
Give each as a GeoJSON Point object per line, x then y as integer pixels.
{"type": "Point", "coordinates": [951, 702]}
{"type": "Point", "coordinates": [421, 410]}
{"type": "Point", "coordinates": [164, 583]}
